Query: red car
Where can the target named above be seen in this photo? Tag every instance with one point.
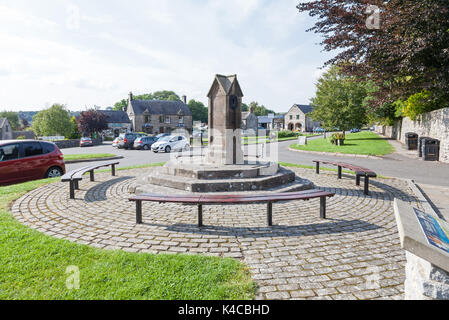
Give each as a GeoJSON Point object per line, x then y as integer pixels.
{"type": "Point", "coordinates": [25, 160]}
{"type": "Point", "coordinates": [86, 142]}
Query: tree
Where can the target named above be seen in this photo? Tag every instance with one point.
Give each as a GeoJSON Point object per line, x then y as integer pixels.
{"type": "Point", "coordinates": [166, 95]}
{"type": "Point", "coordinates": [13, 118]}
{"type": "Point", "coordinates": [92, 121]}
{"type": "Point", "coordinates": [75, 134]}
{"type": "Point", "coordinates": [199, 111]}
{"type": "Point", "coordinates": [405, 54]}
{"type": "Point", "coordinates": [54, 121]}
{"type": "Point", "coordinates": [158, 95]}
{"type": "Point", "coordinates": [259, 110]}
{"type": "Point", "coordinates": [341, 101]}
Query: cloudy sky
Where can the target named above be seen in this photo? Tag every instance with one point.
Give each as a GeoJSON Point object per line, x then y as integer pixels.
{"type": "Point", "coordinates": [85, 53]}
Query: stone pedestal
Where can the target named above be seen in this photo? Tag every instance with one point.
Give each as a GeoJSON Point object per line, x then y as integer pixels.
{"type": "Point", "coordinates": [427, 269]}
{"type": "Point", "coordinates": [425, 281]}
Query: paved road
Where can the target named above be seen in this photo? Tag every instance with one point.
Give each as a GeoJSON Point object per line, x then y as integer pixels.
{"type": "Point", "coordinates": [394, 165]}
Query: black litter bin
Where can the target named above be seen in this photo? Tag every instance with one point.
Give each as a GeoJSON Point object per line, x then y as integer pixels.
{"type": "Point", "coordinates": [420, 145]}
{"type": "Point", "coordinates": [411, 141]}
{"type": "Point", "coordinates": [431, 149]}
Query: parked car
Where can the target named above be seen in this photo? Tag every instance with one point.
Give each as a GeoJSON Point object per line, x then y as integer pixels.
{"type": "Point", "coordinates": [161, 135]}
{"type": "Point", "coordinates": [86, 142]}
{"type": "Point", "coordinates": [115, 142]}
{"type": "Point", "coordinates": [170, 143]}
{"type": "Point", "coordinates": [129, 138]}
{"type": "Point", "coordinates": [25, 160]}
{"type": "Point", "coordinates": [144, 143]}
{"type": "Point", "coordinates": [318, 130]}
{"type": "Point", "coordinates": [354, 130]}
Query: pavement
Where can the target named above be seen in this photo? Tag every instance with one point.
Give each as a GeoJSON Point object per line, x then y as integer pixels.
{"type": "Point", "coordinates": [432, 177]}
{"type": "Point", "coordinates": [353, 254]}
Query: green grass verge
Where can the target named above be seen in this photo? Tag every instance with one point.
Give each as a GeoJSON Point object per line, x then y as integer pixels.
{"type": "Point", "coordinates": [364, 143]}
{"type": "Point", "coordinates": [72, 157]}
{"type": "Point", "coordinates": [33, 266]}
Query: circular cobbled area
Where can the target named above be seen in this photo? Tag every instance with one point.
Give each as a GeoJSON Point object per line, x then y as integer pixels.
{"type": "Point", "coordinates": [354, 254]}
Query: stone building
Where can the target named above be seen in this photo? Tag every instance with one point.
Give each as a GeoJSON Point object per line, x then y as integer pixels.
{"type": "Point", "coordinates": [271, 122]}
{"type": "Point", "coordinates": [5, 129]}
{"type": "Point", "coordinates": [297, 119]}
{"type": "Point", "coordinates": [249, 120]}
{"type": "Point", "coordinates": [118, 122]}
{"type": "Point", "coordinates": [156, 116]}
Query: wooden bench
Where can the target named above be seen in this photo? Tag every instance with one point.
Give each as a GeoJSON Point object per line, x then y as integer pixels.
{"type": "Point", "coordinates": [359, 172]}
{"type": "Point", "coordinates": [74, 176]}
{"type": "Point", "coordinates": [201, 200]}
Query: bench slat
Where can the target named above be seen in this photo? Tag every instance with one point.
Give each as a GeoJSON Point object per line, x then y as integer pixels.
{"type": "Point", "coordinates": [218, 199]}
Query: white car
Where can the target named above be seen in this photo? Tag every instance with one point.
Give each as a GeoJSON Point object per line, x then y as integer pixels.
{"type": "Point", "coordinates": [171, 143]}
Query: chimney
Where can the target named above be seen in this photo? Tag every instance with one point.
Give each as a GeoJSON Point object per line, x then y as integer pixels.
{"type": "Point", "coordinates": [184, 99]}
{"type": "Point", "coordinates": [130, 96]}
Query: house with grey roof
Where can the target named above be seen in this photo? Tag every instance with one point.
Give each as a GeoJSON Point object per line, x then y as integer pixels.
{"type": "Point", "coordinates": [298, 118]}
{"type": "Point", "coordinates": [272, 121]}
{"type": "Point", "coordinates": [249, 120]}
{"type": "Point", "coordinates": [5, 129]}
{"type": "Point", "coordinates": [118, 121]}
{"type": "Point", "coordinates": [157, 116]}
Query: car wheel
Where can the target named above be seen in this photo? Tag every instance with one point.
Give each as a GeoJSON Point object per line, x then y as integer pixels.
{"type": "Point", "coordinates": [53, 172]}
{"type": "Point", "coordinates": [155, 151]}
{"type": "Point", "coordinates": [167, 149]}
{"type": "Point", "coordinates": [186, 147]}
{"type": "Point", "coordinates": [145, 147]}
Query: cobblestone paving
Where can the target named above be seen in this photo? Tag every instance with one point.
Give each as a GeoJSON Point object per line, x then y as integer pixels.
{"type": "Point", "coordinates": [354, 254]}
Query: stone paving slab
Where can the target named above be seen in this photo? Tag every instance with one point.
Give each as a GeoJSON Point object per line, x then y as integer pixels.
{"type": "Point", "coordinates": [354, 254]}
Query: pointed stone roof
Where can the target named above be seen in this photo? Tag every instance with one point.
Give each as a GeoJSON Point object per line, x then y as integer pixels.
{"type": "Point", "coordinates": [226, 83]}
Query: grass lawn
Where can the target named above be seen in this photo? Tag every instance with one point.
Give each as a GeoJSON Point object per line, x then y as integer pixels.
{"type": "Point", "coordinates": [71, 157]}
{"type": "Point", "coordinates": [365, 143]}
{"type": "Point", "coordinates": [33, 266]}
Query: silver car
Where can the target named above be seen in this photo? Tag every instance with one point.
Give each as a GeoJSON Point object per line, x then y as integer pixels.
{"type": "Point", "coordinates": [171, 143]}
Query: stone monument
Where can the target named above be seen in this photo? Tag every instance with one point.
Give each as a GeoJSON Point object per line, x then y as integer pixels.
{"type": "Point", "coordinates": [223, 167]}
{"type": "Point", "coordinates": [225, 121]}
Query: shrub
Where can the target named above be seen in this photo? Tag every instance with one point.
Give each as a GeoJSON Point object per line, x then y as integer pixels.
{"type": "Point", "coordinates": [336, 136]}
{"type": "Point", "coordinates": [286, 134]}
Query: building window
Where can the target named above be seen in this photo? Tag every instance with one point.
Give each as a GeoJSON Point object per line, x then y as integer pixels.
{"type": "Point", "coordinates": [181, 120]}
{"type": "Point", "coordinates": [291, 117]}
{"type": "Point", "coordinates": [297, 117]}
{"type": "Point", "coordinates": [161, 119]}
{"type": "Point", "coordinates": [147, 119]}
{"type": "Point", "coordinates": [167, 119]}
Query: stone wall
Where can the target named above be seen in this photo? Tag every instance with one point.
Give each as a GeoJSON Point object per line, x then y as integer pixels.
{"type": "Point", "coordinates": [74, 143]}
{"type": "Point", "coordinates": [425, 281]}
{"type": "Point", "coordinates": [433, 124]}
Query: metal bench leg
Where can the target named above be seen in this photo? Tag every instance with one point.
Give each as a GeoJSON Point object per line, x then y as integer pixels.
{"type": "Point", "coordinates": [139, 211]}
{"type": "Point", "coordinates": [77, 186]}
{"type": "Point", "coordinates": [72, 189]}
{"type": "Point", "coordinates": [366, 191]}
{"type": "Point", "coordinates": [323, 207]}
{"type": "Point", "coordinates": [92, 177]}
{"type": "Point", "coordinates": [200, 215]}
{"type": "Point", "coordinates": [339, 172]}
{"type": "Point", "coordinates": [357, 180]}
{"type": "Point", "coordinates": [317, 168]}
{"type": "Point", "coordinates": [113, 170]}
{"type": "Point", "coordinates": [270, 214]}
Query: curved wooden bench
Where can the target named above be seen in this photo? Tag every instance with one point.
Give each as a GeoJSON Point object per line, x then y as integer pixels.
{"type": "Point", "coordinates": [208, 199]}
{"type": "Point", "coordinates": [359, 172]}
{"type": "Point", "coordinates": [76, 175]}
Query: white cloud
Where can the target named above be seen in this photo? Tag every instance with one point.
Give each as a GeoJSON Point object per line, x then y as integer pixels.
{"type": "Point", "coordinates": [155, 45]}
